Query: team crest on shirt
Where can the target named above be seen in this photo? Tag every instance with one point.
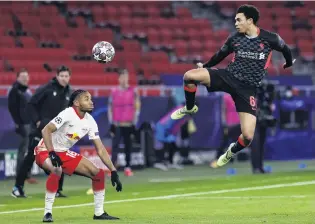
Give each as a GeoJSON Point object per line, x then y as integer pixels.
{"type": "Point", "coordinates": [58, 120]}
{"type": "Point", "coordinates": [73, 136]}
{"type": "Point", "coordinates": [262, 46]}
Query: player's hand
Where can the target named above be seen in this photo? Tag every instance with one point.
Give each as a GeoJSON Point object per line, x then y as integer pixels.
{"type": "Point", "coordinates": [199, 65]}
{"type": "Point", "coordinates": [115, 181]}
{"type": "Point", "coordinates": [133, 131]}
{"type": "Point", "coordinates": [285, 65]}
{"type": "Point", "coordinates": [17, 129]}
{"type": "Point", "coordinates": [55, 159]}
{"type": "Point", "coordinates": [112, 130]}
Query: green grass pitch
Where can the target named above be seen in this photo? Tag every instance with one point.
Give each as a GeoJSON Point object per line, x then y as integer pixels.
{"type": "Point", "coordinates": [194, 195]}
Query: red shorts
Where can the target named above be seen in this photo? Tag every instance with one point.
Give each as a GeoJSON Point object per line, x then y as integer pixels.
{"type": "Point", "coordinates": [69, 159]}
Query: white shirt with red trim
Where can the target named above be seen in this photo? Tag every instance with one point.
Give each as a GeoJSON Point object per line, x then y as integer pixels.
{"type": "Point", "coordinates": [70, 129]}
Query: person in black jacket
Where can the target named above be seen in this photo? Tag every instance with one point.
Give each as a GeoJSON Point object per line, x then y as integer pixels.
{"type": "Point", "coordinates": [18, 97]}
{"type": "Point", "coordinates": [44, 105]}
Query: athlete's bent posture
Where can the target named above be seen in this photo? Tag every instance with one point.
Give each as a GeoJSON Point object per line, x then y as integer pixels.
{"type": "Point", "coordinates": [54, 156]}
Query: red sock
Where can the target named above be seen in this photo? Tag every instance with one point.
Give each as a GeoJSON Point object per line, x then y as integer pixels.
{"type": "Point", "coordinates": [98, 182]}
{"type": "Point", "coordinates": [52, 183]}
{"type": "Point", "coordinates": [241, 141]}
{"type": "Point", "coordinates": [239, 145]}
{"type": "Point", "coordinates": [190, 96]}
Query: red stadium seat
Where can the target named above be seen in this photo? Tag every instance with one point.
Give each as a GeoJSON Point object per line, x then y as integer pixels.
{"type": "Point", "coordinates": [193, 34]}
{"type": "Point", "coordinates": [149, 92]}
{"type": "Point", "coordinates": [195, 47]}
{"type": "Point", "coordinates": [32, 66]}
{"type": "Point", "coordinates": [7, 78]}
{"type": "Point", "coordinates": [38, 54]}
{"type": "Point", "coordinates": [131, 45]}
{"type": "Point", "coordinates": [183, 36]}
{"type": "Point", "coordinates": [153, 12]}
{"type": "Point", "coordinates": [7, 41]}
{"type": "Point", "coordinates": [305, 45]}
{"type": "Point", "coordinates": [183, 13]}
{"type": "Point", "coordinates": [302, 13]}
{"type": "Point", "coordinates": [125, 11]}
{"type": "Point", "coordinates": [282, 12]}
{"type": "Point", "coordinates": [157, 56]}
{"type": "Point", "coordinates": [302, 34]}
{"type": "Point", "coordinates": [28, 42]}
{"type": "Point", "coordinates": [166, 35]}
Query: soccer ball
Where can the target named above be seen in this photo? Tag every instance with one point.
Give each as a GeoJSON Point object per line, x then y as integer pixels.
{"type": "Point", "coordinates": [103, 52]}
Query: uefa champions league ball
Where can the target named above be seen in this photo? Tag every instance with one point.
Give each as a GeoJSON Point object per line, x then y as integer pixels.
{"type": "Point", "coordinates": [103, 52]}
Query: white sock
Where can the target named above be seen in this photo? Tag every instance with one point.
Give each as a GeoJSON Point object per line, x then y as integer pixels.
{"type": "Point", "coordinates": [49, 201]}
{"type": "Point", "coordinates": [99, 197]}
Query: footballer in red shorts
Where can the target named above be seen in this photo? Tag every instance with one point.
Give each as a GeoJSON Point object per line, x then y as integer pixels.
{"type": "Point", "coordinates": [53, 155]}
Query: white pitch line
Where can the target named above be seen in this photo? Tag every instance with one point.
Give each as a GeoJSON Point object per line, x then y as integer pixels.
{"type": "Point", "coordinates": [173, 196]}
{"type": "Point", "coordinates": [248, 197]}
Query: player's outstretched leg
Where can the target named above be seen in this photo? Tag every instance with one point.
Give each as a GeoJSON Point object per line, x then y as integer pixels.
{"type": "Point", "coordinates": [51, 188]}
{"type": "Point", "coordinates": [88, 169]}
{"type": "Point", "coordinates": [191, 79]}
{"type": "Point", "coordinates": [248, 124]}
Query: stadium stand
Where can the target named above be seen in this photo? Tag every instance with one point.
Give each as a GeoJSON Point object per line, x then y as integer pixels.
{"type": "Point", "coordinates": [150, 38]}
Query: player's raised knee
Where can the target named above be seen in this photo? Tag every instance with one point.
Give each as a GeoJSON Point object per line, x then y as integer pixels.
{"type": "Point", "coordinates": [57, 171]}
{"type": "Point", "coordinates": [190, 75]}
{"type": "Point", "coordinates": [96, 171]}
{"type": "Point", "coordinates": [99, 175]}
{"type": "Point", "coordinates": [248, 137]}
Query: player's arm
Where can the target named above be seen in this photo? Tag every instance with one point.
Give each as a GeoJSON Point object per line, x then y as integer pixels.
{"type": "Point", "coordinates": [13, 106]}
{"type": "Point", "coordinates": [47, 135]}
{"type": "Point", "coordinates": [112, 128]}
{"type": "Point", "coordinates": [56, 123]}
{"type": "Point", "coordinates": [223, 111]}
{"type": "Point", "coordinates": [62, 118]}
{"type": "Point", "coordinates": [278, 44]}
{"type": "Point", "coordinates": [109, 109]}
{"type": "Point", "coordinates": [225, 50]}
{"type": "Point", "coordinates": [35, 103]}
{"type": "Point", "coordinates": [137, 107]}
{"type": "Point", "coordinates": [100, 148]}
{"type": "Point", "coordinates": [103, 154]}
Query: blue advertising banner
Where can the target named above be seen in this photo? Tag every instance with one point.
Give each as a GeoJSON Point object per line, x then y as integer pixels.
{"type": "Point", "coordinates": [2, 166]}
{"type": "Point", "coordinates": [208, 120]}
{"type": "Point", "coordinates": [304, 80]}
{"type": "Point", "coordinates": [281, 146]}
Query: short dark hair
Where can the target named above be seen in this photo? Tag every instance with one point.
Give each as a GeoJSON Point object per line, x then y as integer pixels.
{"type": "Point", "coordinates": [21, 71]}
{"type": "Point", "coordinates": [250, 12]}
{"type": "Point", "coordinates": [74, 95]}
{"type": "Point", "coordinates": [63, 68]}
{"type": "Point", "coordinates": [122, 71]}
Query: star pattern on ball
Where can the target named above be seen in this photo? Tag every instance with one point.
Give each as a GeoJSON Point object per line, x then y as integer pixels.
{"type": "Point", "coordinates": [103, 52]}
{"type": "Point", "coordinates": [103, 49]}
{"type": "Point", "coordinates": [96, 57]}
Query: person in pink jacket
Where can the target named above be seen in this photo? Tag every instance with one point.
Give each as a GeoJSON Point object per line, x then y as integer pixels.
{"type": "Point", "coordinates": [123, 112]}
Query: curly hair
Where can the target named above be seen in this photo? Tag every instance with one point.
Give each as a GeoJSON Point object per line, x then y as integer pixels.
{"type": "Point", "coordinates": [74, 95]}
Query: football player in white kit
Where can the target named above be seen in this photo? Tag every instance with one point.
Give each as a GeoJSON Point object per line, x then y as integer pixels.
{"type": "Point", "coordinates": [53, 153]}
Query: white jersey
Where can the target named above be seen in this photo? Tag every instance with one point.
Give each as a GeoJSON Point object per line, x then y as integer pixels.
{"type": "Point", "coordinates": [70, 129]}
